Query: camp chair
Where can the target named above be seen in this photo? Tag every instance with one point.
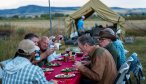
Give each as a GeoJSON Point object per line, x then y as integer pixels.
{"type": "Point", "coordinates": [136, 68]}
{"type": "Point", "coordinates": [123, 75]}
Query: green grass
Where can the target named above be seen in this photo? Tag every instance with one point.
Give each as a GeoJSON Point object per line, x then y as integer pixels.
{"type": "Point", "coordinates": [139, 46]}
{"type": "Point", "coordinates": [8, 45]}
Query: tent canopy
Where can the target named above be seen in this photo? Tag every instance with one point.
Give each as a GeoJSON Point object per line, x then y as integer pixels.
{"type": "Point", "coordinates": [87, 10]}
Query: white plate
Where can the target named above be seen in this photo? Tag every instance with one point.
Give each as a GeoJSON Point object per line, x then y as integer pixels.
{"type": "Point", "coordinates": [64, 76]}
{"type": "Point", "coordinates": [68, 70]}
{"type": "Point", "coordinates": [60, 59]}
{"type": "Point", "coordinates": [48, 69]}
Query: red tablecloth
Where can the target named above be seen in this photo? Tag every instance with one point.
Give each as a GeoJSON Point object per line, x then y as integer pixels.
{"type": "Point", "coordinates": [57, 70]}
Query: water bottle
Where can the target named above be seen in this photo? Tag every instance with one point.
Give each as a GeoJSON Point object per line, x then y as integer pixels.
{"type": "Point", "coordinates": [37, 54]}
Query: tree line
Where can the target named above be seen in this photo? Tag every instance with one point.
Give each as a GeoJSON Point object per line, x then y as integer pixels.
{"type": "Point", "coordinates": [56, 15]}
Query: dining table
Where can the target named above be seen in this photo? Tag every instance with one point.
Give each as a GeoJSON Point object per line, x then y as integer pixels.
{"type": "Point", "coordinates": [58, 70]}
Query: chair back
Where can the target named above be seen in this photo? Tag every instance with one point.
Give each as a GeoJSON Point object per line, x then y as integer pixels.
{"type": "Point", "coordinates": [123, 72]}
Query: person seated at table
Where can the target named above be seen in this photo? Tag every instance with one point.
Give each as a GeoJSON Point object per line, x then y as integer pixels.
{"type": "Point", "coordinates": [119, 46]}
{"type": "Point", "coordinates": [20, 70]}
{"type": "Point", "coordinates": [102, 69]}
{"type": "Point", "coordinates": [106, 40]}
{"type": "Point", "coordinates": [33, 37]}
{"type": "Point", "coordinates": [53, 43]}
{"type": "Point", "coordinates": [44, 50]}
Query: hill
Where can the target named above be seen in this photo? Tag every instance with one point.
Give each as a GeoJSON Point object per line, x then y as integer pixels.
{"type": "Point", "coordinates": [37, 10]}
{"type": "Point", "coordinates": [34, 10]}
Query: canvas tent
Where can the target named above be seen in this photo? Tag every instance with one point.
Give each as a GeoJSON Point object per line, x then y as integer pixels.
{"type": "Point", "coordinates": [87, 10]}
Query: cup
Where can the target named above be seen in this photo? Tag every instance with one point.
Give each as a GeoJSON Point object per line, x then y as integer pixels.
{"type": "Point", "coordinates": [66, 58]}
{"type": "Point", "coordinates": [67, 51]}
{"type": "Point", "coordinates": [73, 57]}
{"type": "Point", "coordinates": [70, 54]}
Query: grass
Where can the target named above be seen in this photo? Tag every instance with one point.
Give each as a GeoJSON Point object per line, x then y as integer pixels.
{"type": "Point", "coordinates": [8, 44]}
{"type": "Point", "coordinates": [139, 47]}
{"type": "Point", "coordinates": [10, 36]}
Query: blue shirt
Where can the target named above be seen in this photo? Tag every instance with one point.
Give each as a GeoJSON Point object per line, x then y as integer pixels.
{"type": "Point", "coordinates": [120, 48]}
{"type": "Point", "coordinates": [80, 24]}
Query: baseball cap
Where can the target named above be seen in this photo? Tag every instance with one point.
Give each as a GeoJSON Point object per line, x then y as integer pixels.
{"type": "Point", "coordinates": [27, 46]}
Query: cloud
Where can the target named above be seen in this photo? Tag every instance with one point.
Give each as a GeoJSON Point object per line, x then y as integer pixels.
{"type": "Point", "coordinates": [125, 3]}
{"type": "Point", "coordinates": [7, 4]}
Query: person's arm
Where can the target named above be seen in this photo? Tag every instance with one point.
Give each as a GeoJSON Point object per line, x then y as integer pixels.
{"type": "Point", "coordinates": [40, 78]}
{"type": "Point", "coordinates": [96, 72]}
{"type": "Point", "coordinates": [44, 55]}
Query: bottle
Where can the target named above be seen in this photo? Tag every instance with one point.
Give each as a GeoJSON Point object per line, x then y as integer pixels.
{"type": "Point", "coordinates": [73, 57]}
{"type": "Point", "coordinates": [66, 58]}
{"type": "Point", "coordinates": [37, 53]}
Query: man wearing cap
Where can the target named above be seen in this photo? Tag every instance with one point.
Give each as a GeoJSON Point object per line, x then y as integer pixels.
{"type": "Point", "coordinates": [20, 70]}
{"type": "Point", "coordinates": [80, 26]}
{"type": "Point", "coordinates": [106, 40]}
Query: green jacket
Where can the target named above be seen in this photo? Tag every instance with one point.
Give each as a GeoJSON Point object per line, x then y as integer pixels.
{"type": "Point", "coordinates": [111, 48]}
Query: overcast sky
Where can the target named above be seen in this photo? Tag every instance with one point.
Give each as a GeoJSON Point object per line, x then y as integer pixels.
{"type": "Point", "coordinates": [9, 4]}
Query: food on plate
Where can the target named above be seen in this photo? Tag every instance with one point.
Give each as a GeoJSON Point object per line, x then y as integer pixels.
{"type": "Point", "coordinates": [47, 69]}
{"type": "Point", "coordinates": [64, 75]}
{"type": "Point", "coordinates": [53, 64]}
{"type": "Point", "coordinates": [60, 59]}
{"type": "Point", "coordinates": [68, 69]}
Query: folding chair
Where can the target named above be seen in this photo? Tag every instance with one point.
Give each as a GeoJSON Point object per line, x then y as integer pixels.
{"type": "Point", "coordinates": [136, 68]}
{"type": "Point", "coordinates": [123, 75]}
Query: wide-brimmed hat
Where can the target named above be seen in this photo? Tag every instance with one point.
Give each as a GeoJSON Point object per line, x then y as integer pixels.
{"type": "Point", "coordinates": [107, 33]}
{"type": "Point", "coordinates": [27, 46]}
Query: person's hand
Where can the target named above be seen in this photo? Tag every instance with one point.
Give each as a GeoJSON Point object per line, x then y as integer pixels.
{"type": "Point", "coordinates": [49, 51]}
{"type": "Point", "coordinates": [55, 47]}
{"type": "Point", "coordinates": [78, 64]}
{"type": "Point", "coordinates": [55, 81]}
{"type": "Point", "coordinates": [85, 62]}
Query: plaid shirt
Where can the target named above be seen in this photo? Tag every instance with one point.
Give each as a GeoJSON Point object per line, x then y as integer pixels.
{"type": "Point", "coordinates": [30, 74]}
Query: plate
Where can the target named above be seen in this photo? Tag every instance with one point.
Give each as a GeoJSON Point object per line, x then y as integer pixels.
{"type": "Point", "coordinates": [53, 64]}
{"type": "Point", "coordinates": [64, 76]}
{"type": "Point", "coordinates": [47, 69]}
{"type": "Point", "coordinates": [60, 59]}
{"type": "Point", "coordinates": [68, 70]}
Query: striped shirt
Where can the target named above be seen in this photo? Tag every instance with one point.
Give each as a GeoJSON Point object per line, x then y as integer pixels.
{"type": "Point", "coordinates": [30, 74]}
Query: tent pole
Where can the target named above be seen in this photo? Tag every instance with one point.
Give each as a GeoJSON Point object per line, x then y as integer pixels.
{"type": "Point", "coordinates": [51, 33]}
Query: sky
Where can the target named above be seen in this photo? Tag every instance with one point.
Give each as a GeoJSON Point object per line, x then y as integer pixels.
{"type": "Point", "coordinates": [10, 4]}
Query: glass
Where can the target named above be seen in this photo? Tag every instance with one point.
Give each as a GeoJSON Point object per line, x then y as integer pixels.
{"type": "Point", "coordinates": [73, 53]}
{"type": "Point", "coordinates": [70, 53]}
{"type": "Point", "coordinates": [67, 51]}
{"type": "Point", "coordinates": [73, 57]}
{"type": "Point", "coordinates": [66, 59]}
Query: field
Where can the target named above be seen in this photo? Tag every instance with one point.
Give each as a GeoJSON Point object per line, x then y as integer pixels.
{"type": "Point", "coordinates": [17, 29]}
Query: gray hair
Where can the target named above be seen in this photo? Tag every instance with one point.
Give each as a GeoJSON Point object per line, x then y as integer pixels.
{"type": "Point", "coordinates": [86, 39]}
